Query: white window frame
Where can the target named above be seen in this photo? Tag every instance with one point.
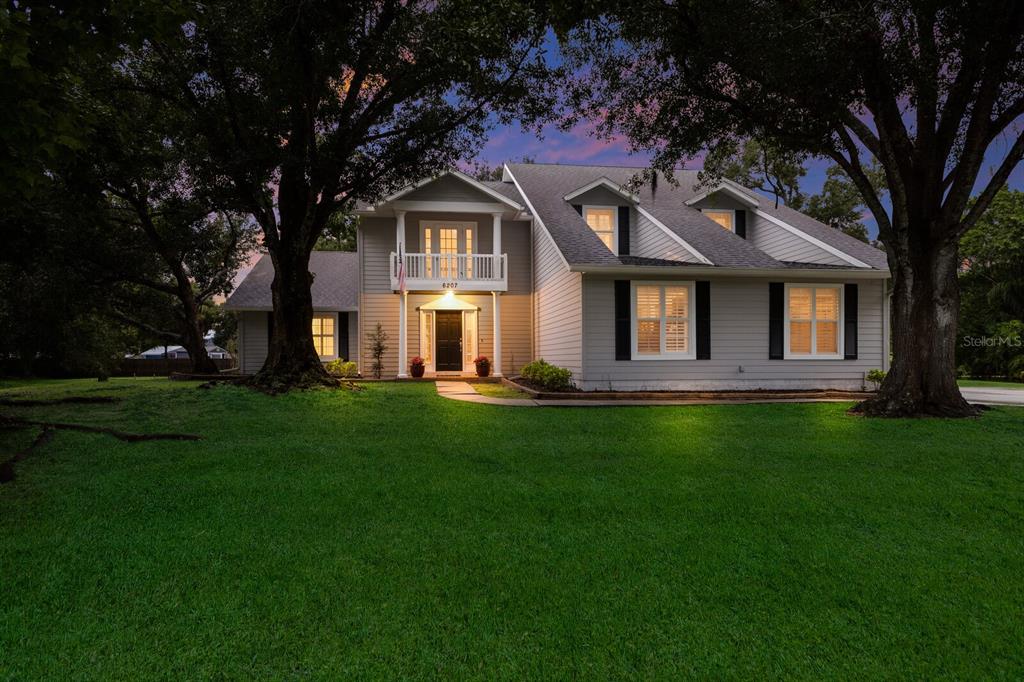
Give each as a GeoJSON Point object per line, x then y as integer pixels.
{"type": "Point", "coordinates": [814, 354]}
{"type": "Point", "coordinates": [615, 223]}
{"type": "Point", "coordinates": [691, 327]}
{"type": "Point", "coordinates": [334, 356]}
{"type": "Point", "coordinates": [460, 225]}
{"type": "Point", "coordinates": [722, 210]}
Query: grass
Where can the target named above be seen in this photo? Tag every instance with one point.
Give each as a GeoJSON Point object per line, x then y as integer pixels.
{"type": "Point", "coordinates": [986, 383]}
{"type": "Point", "coordinates": [393, 533]}
{"type": "Point", "coordinates": [499, 391]}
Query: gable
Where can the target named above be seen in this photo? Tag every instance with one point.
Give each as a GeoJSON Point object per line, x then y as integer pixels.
{"type": "Point", "coordinates": [599, 196]}
{"type": "Point", "coordinates": [720, 200]}
{"type": "Point", "coordinates": [448, 188]}
{"type": "Point", "coordinates": [783, 245]}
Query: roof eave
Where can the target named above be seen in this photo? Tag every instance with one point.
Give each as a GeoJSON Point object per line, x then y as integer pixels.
{"type": "Point", "coordinates": [818, 273]}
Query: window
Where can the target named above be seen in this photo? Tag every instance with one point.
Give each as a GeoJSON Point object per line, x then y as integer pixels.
{"type": "Point", "coordinates": [662, 320]}
{"type": "Point", "coordinates": [448, 239]}
{"type": "Point", "coordinates": [604, 221]}
{"type": "Point", "coordinates": [813, 320]}
{"type": "Point", "coordinates": [725, 218]}
{"type": "Point", "coordinates": [323, 335]}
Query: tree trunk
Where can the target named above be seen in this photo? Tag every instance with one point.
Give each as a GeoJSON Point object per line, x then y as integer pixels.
{"type": "Point", "coordinates": [195, 344]}
{"type": "Point", "coordinates": [292, 361]}
{"type": "Point", "coordinates": [925, 311]}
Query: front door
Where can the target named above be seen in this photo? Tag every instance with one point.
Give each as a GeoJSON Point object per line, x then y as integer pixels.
{"type": "Point", "coordinates": [449, 341]}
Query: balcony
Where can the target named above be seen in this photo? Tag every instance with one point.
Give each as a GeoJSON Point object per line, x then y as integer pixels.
{"type": "Point", "coordinates": [460, 271]}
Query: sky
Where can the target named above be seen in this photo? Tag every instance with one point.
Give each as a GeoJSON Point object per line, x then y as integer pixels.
{"type": "Point", "coordinates": [580, 146]}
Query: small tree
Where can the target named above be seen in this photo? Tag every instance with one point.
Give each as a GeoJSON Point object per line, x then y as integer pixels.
{"type": "Point", "coordinates": [378, 346]}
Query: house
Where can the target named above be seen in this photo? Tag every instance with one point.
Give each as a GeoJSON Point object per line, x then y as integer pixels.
{"type": "Point", "coordinates": [180, 352]}
{"type": "Point", "coordinates": [673, 288]}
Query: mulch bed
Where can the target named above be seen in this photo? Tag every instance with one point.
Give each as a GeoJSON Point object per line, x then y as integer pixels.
{"type": "Point", "coordinates": [763, 394]}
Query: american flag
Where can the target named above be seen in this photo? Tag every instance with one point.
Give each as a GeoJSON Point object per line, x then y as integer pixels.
{"type": "Point", "coordinates": [401, 270]}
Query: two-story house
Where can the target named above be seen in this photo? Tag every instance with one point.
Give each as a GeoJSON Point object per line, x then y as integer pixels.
{"type": "Point", "coordinates": [673, 288]}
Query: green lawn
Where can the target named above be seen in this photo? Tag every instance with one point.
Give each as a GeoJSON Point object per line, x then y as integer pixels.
{"type": "Point", "coordinates": [985, 383]}
{"type": "Point", "coordinates": [499, 391]}
{"type": "Point", "coordinates": [392, 533]}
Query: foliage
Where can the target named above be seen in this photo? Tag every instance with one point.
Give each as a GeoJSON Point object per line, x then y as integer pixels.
{"type": "Point", "coordinates": [840, 204]}
{"type": "Point", "coordinates": [483, 171]}
{"type": "Point", "coordinates": [339, 233]}
{"type": "Point", "coordinates": [417, 361]}
{"type": "Point", "coordinates": [547, 375]}
{"type": "Point", "coordinates": [368, 502]}
{"type": "Point", "coordinates": [992, 289]}
{"type": "Point", "coordinates": [876, 377]}
{"type": "Point", "coordinates": [378, 346]}
{"type": "Point", "coordinates": [759, 166]}
{"type": "Point", "coordinates": [345, 369]}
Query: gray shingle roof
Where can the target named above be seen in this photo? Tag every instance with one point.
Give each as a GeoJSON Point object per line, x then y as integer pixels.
{"type": "Point", "coordinates": [545, 185]}
{"type": "Point", "coordinates": [335, 283]}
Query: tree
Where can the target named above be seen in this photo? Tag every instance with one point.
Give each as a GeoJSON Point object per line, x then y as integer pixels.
{"type": "Point", "coordinates": [840, 204]}
{"type": "Point", "coordinates": [922, 87]}
{"type": "Point", "coordinates": [339, 233]}
{"type": "Point", "coordinates": [483, 171]}
{"type": "Point", "coordinates": [759, 166]}
{"type": "Point", "coordinates": [341, 102]}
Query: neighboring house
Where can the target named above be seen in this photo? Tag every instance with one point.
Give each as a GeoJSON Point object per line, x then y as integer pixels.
{"type": "Point", "coordinates": [180, 353]}
{"type": "Point", "coordinates": [673, 289]}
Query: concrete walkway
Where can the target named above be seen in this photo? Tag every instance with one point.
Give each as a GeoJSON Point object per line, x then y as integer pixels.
{"type": "Point", "coordinates": [460, 390]}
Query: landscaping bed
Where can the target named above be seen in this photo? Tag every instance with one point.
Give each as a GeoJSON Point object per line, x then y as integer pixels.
{"type": "Point", "coordinates": [766, 394]}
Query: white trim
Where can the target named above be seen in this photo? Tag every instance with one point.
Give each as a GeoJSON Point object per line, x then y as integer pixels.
{"type": "Point", "coordinates": [334, 316]}
{"type": "Point", "coordinates": [813, 240]}
{"type": "Point", "coordinates": [536, 217]}
{"type": "Point", "coordinates": [472, 182]}
{"type": "Point", "coordinates": [460, 225]}
{"type": "Point", "coordinates": [602, 181]}
{"type": "Point", "coordinates": [445, 207]}
{"type": "Point", "coordinates": [675, 237]}
{"type": "Point", "coordinates": [740, 196]}
{"type": "Point", "coordinates": [615, 226]}
{"type": "Point", "coordinates": [886, 324]}
{"type": "Point", "coordinates": [840, 341]}
{"type": "Point", "coordinates": [733, 211]}
{"type": "Point", "coordinates": [812, 273]}
{"type": "Point", "coordinates": [691, 353]}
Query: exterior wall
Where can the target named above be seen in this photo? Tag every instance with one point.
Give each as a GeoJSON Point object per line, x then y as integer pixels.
{"type": "Point", "coordinates": [254, 339]}
{"type": "Point", "coordinates": [784, 245]}
{"type": "Point", "coordinates": [650, 241]}
{"type": "Point", "coordinates": [447, 188]}
{"type": "Point", "coordinates": [739, 341]}
{"type": "Point", "coordinates": [558, 301]}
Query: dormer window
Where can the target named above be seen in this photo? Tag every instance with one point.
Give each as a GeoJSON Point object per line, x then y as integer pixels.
{"type": "Point", "coordinates": [604, 221]}
{"type": "Point", "coordinates": [725, 218]}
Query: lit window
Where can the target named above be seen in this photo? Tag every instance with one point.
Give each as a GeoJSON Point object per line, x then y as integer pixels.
{"type": "Point", "coordinates": [723, 218]}
{"type": "Point", "coordinates": [663, 320]}
{"type": "Point", "coordinates": [813, 320]}
{"type": "Point", "coordinates": [323, 335]}
{"type": "Point", "coordinates": [446, 241]}
{"type": "Point", "coordinates": [603, 222]}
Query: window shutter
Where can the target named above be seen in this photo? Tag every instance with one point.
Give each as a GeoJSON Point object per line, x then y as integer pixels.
{"type": "Point", "coordinates": [850, 322]}
{"type": "Point", "coordinates": [343, 336]}
{"type": "Point", "coordinates": [741, 223]}
{"type": "Point", "coordinates": [703, 311]}
{"type": "Point", "coordinates": [623, 230]}
{"type": "Point", "coordinates": [578, 208]}
{"type": "Point", "coordinates": [623, 333]}
{"type": "Point", "coordinates": [776, 320]}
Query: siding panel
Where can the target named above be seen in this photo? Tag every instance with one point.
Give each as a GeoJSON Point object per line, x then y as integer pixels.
{"type": "Point", "coordinates": [783, 245]}
{"type": "Point", "coordinates": [650, 241]}
{"type": "Point", "coordinates": [558, 299]}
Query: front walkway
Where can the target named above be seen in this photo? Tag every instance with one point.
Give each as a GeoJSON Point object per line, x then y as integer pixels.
{"type": "Point", "coordinates": [460, 390]}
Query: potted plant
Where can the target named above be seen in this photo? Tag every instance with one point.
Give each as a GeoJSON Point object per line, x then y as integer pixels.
{"type": "Point", "coordinates": [417, 367]}
{"type": "Point", "coordinates": [483, 366]}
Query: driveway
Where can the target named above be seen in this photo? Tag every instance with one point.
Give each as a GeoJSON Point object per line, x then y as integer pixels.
{"type": "Point", "coordinates": [994, 396]}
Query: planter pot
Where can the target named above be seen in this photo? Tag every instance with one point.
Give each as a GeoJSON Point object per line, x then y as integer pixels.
{"type": "Point", "coordinates": [483, 369]}
{"type": "Point", "coordinates": [417, 370]}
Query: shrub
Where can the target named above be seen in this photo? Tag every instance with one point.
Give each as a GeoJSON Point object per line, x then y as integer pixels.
{"type": "Point", "coordinates": [876, 377]}
{"type": "Point", "coordinates": [341, 368]}
{"type": "Point", "coordinates": [547, 375]}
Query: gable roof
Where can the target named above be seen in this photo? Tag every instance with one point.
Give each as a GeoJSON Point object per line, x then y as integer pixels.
{"type": "Point", "coordinates": [545, 186]}
{"type": "Point", "coordinates": [335, 283]}
{"type": "Point", "coordinates": [485, 188]}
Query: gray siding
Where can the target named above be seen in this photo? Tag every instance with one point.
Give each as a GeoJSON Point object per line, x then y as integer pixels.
{"type": "Point", "coordinates": [739, 338]}
{"type": "Point", "coordinates": [447, 188]}
{"type": "Point", "coordinates": [558, 300]}
{"type": "Point", "coordinates": [253, 341]}
{"type": "Point", "coordinates": [784, 245]}
{"type": "Point", "coordinates": [650, 241]}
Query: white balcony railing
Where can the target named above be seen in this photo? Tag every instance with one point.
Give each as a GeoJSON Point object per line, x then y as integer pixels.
{"type": "Point", "coordinates": [468, 271]}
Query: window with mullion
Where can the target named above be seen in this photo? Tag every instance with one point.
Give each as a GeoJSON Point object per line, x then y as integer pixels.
{"type": "Point", "coordinates": [663, 325]}
{"type": "Point", "coordinates": [813, 321]}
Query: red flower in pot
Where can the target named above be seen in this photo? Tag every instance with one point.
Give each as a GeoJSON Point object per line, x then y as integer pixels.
{"type": "Point", "coordinates": [483, 366]}
{"type": "Point", "coordinates": [417, 367]}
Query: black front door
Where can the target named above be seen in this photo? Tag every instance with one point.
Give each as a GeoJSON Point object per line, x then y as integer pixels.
{"type": "Point", "coordinates": [449, 341]}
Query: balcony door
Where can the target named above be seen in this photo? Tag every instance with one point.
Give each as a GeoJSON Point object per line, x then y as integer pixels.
{"type": "Point", "coordinates": [450, 247]}
{"type": "Point", "coordinates": [449, 341]}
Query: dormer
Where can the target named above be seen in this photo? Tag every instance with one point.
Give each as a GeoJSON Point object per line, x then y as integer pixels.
{"type": "Point", "coordinates": [727, 205]}
{"type": "Point", "coordinates": [606, 206]}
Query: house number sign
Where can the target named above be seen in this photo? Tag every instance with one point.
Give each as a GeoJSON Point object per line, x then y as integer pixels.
{"type": "Point", "coordinates": [449, 285]}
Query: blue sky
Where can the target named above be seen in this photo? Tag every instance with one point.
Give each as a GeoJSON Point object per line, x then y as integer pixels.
{"type": "Point", "coordinates": [579, 146]}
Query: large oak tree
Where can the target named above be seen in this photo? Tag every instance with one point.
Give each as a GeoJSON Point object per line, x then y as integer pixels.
{"type": "Point", "coordinates": [924, 88]}
{"type": "Point", "coordinates": [302, 109]}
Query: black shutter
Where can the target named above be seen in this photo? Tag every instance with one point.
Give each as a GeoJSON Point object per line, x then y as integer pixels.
{"type": "Point", "coordinates": [578, 208]}
{"type": "Point", "coordinates": [741, 223]}
{"type": "Point", "coordinates": [623, 230]}
{"type": "Point", "coordinates": [343, 336]}
{"type": "Point", "coordinates": [703, 320]}
{"type": "Point", "coordinates": [776, 320]}
{"type": "Point", "coordinates": [850, 326]}
{"type": "Point", "coordinates": [623, 338]}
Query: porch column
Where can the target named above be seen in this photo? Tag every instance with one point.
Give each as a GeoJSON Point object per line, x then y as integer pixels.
{"type": "Point", "coordinates": [497, 244]}
{"type": "Point", "coordinates": [399, 231]}
{"type": "Point", "coordinates": [403, 354]}
{"type": "Point", "coordinates": [497, 333]}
